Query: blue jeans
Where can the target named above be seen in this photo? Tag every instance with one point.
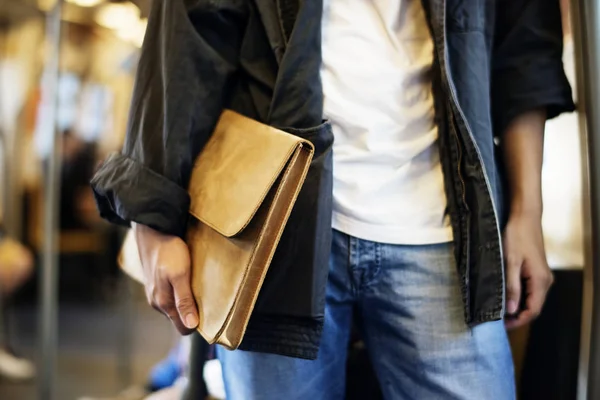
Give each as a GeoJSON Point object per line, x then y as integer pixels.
{"type": "Point", "coordinates": [412, 320]}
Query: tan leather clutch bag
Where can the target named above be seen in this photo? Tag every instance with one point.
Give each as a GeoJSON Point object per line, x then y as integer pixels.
{"type": "Point", "coordinates": [243, 187]}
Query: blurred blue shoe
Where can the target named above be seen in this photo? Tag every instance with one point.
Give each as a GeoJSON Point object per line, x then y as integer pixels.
{"type": "Point", "coordinates": [165, 373]}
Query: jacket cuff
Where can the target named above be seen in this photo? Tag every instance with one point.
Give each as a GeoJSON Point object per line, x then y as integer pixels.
{"type": "Point", "coordinates": [126, 191]}
{"type": "Point", "coordinates": [548, 89]}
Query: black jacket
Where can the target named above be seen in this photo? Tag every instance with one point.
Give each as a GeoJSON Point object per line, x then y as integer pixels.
{"type": "Point", "coordinates": [494, 60]}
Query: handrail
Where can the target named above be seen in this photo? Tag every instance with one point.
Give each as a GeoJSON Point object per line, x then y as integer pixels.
{"type": "Point", "coordinates": [586, 31]}
{"type": "Point", "coordinates": [49, 283]}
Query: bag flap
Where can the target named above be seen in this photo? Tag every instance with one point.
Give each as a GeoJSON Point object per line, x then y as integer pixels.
{"type": "Point", "coordinates": [236, 169]}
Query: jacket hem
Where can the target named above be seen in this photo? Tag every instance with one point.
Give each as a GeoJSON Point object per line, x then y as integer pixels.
{"type": "Point", "coordinates": [286, 336]}
{"type": "Point", "coordinates": [487, 316]}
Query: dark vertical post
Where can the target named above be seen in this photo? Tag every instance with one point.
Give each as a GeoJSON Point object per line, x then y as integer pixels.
{"type": "Point", "coordinates": [586, 30]}
{"type": "Point", "coordinates": [49, 273]}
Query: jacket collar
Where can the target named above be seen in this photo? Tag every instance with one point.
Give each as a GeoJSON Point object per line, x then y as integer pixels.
{"type": "Point", "coordinates": [288, 11]}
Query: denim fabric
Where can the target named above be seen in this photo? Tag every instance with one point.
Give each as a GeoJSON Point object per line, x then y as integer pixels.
{"type": "Point", "coordinates": [411, 316]}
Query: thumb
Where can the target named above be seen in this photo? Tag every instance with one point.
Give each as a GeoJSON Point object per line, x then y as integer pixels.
{"type": "Point", "coordinates": [185, 302]}
{"type": "Point", "coordinates": [513, 285]}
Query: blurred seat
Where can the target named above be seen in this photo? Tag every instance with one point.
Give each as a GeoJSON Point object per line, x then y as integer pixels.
{"type": "Point", "coordinates": [70, 240]}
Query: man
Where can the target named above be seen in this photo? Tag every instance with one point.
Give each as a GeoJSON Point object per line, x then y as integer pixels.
{"type": "Point", "coordinates": [416, 93]}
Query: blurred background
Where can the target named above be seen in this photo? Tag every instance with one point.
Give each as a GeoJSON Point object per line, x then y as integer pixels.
{"type": "Point", "coordinates": [98, 311]}
{"type": "Point", "coordinates": [110, 343]}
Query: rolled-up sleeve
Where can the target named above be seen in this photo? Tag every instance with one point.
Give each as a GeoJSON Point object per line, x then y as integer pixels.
{"type": "Point", "coordinates": [189, 56]}
{"type": "Point", "coordinates": [527, 68]}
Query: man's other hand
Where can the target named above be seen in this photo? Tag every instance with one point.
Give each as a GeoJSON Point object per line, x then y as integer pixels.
{"type": "Point", "coordinates": [167, 271]}
{"type": "Point", "coordinates": [528, 276]}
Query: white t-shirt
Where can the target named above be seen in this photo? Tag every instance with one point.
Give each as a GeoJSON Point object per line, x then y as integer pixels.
{"type": "Point", "coordinates": [562, 186]}
{"type": "Point", "coordinates": [377, 70]}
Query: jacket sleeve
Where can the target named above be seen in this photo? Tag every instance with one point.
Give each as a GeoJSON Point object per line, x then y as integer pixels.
{"type": "Point", "coordinates": [188, 58]}
{"type": "Point", "coordinates": [527, 69]}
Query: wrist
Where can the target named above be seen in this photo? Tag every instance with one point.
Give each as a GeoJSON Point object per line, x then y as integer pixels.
{"type": "Point", "coordinates": [528, 209]}
{"type": "Point", "coordinates": [140, 230]}
{"type": "Point", "coordinates": [146, 233]}
{"type": "Point", "coordinates": [526, 200]}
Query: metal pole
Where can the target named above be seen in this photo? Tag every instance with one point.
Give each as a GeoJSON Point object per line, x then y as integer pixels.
{"type": "Point", "coordinates": [48, 286]}
{"type": "Point", "coordinates": [126, 332]}
{"type": "Point", "coordinates": [4, 26]}
{"type": "Point", "coordinates": [196, 387]}
{"type": "Point", "coordinates": [586, 30]}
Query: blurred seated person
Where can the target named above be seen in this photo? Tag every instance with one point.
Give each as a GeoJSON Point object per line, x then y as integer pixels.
{"type": "Point", "coordinates": [16, 266]}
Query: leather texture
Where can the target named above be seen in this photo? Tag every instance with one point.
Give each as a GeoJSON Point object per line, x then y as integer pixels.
{"type": "Point", "coordinates": [243, 187]}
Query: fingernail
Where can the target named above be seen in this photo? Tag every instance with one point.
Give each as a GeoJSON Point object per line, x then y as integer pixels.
{"type": "Point", "coordinates": [191, 321]}
{"type": "Point", "coordinates": [512, 307]}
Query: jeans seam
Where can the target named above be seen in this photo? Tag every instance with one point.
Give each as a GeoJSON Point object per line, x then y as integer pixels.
{"type": "Point", "coordinates": [377, 265]}
{"type": "Point", "coordinates": [352, 254]}
{"type": "Point", "coordinates": [373, 270]}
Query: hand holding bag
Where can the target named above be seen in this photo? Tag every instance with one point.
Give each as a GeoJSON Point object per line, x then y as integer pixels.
{"type": "Point", "coordinates": [243, 187]}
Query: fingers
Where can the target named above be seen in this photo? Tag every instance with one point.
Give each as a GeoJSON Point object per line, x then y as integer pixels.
{"type": "Point", "coordinates": [537, 286]}
{"type": "Point", "coordinates": [161, 296]}
{"type": "Point", "coordinates": [513, 284]}
{"type": "Point", "coordinates": [164, 301]}
{"type": "Point", "coordinates": [166, 264]}
{"type": "Point", "coordinates": [523, 319]}
{"type": "Point", "coordinates": [184, 301]}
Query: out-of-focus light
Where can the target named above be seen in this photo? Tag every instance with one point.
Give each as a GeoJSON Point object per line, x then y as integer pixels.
{"type": "Point", "coordinates": [85, 3]}
{"type": "Point", "coordinates": [46, 5]}
{"type": "Point", "coordinates": [117, 16]}
{"type": "Point", "coordinates": [134, 32]}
